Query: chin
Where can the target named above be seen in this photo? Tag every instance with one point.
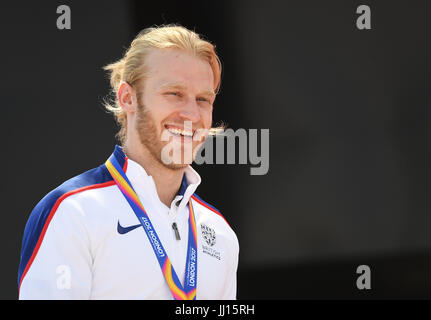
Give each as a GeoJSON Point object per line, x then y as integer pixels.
{"type": "Point", "coordinates": [176, 166]}
{"type": "Point", "coordinates": [180, 156]}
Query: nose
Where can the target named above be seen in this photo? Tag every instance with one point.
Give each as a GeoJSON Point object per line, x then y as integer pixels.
{"type": "Point", "coordinates": [191, 111]}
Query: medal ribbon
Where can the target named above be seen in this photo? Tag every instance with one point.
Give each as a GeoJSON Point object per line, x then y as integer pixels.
{"type": "Point", "coordinates": [188, 292]}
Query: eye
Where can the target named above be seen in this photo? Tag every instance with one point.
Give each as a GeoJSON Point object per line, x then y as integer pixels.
{"type": "Point", "coordinates": [173, 93]}
{"type": "Point", "coordinates": [203, 99]}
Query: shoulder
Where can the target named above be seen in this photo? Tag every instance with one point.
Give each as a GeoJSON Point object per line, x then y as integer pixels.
{"type": "Point", "coordinates": [211, 212]}
{"type": "Point", "coordinates": [92, 179]}
{"type": "Point", "coordinates": [210, 216]}
{"type": "Point", "coordinates": [208, 208]}
{"type": "Point", "coordinates": [48, 207]}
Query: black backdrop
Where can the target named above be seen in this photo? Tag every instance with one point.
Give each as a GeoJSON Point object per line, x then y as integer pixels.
{"type": "Point", "coordinates": [348, 113]}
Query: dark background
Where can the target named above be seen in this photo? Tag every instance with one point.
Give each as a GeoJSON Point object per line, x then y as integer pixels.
{"type": "Point", "coordinates": [348, 113]}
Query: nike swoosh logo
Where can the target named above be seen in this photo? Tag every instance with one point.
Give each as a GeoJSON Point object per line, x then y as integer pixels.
{"type": "Point", "coordinates": [124, 230]}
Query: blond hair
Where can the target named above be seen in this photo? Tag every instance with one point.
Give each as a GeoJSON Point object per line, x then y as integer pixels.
{"type": "Point", "coordinates": [131, 68]}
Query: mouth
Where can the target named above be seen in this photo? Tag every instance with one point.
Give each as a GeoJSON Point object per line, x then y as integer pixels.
{"type": "Point", "coordinates": [179, 132]}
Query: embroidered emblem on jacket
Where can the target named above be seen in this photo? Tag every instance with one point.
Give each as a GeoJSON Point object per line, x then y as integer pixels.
{"type": "Point", "coordinates": [208, 234]}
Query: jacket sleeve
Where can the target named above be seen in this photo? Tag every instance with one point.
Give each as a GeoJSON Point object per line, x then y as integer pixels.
{"type": "Point", "coordinates": [231, 281]}
{"type": "Point", "coordinates": [56, 260]}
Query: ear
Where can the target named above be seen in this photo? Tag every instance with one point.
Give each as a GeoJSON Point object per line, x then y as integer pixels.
{"type": "Point", "coordinates": [127, 97]}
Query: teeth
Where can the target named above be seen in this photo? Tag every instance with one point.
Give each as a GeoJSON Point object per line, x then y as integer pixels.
{"type": "Point", "coordinates": [181, 132]}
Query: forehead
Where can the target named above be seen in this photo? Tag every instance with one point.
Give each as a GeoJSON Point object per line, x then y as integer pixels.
{"type": "Point", "coordinates": [166, 66]}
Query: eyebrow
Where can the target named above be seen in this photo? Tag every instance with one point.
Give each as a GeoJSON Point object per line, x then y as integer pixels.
{"type": "Point", "coordinates": [174, 85]}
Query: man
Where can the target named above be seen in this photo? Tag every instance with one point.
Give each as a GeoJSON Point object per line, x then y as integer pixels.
{"type": "Point", "coordinates": [133, 228]}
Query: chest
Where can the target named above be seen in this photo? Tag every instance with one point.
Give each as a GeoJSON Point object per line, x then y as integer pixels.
{"type": "Point", "coordinates": [124, 259]}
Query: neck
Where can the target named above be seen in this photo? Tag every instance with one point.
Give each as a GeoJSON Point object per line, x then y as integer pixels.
{"type": "Point", "coordinates": [167, 180]}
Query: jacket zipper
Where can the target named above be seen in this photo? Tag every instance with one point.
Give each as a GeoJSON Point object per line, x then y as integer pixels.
{"type": "Point", "coordinates": [177, 233]}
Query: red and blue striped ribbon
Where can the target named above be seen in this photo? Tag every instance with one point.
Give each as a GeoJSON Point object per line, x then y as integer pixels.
{"type": "Point", "coordinates": [188, 292]}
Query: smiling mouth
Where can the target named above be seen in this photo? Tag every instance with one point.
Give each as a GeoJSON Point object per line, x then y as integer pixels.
{"type": "Point", "coordinates": [176, 131]}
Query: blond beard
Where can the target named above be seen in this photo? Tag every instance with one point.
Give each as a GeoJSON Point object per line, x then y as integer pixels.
{"type": "Point", "coordinates": [147, 132]}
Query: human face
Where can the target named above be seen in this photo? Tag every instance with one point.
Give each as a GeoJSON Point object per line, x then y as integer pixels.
{"type": "Point", "coordinates": [175, 105]}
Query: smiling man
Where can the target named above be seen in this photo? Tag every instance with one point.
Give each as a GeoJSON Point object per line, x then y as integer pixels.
{"type": "Point", "coordinates": [134, 228]}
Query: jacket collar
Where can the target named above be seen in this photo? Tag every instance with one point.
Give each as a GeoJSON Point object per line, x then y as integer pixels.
{"type": "Point", "coordinates": [139, 178]}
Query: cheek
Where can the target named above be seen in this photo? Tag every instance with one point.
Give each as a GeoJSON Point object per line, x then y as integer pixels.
{"type": "Point", "coordinates": [159, 114]}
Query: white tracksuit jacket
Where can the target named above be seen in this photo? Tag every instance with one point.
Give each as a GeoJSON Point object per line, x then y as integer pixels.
{"type": "Point", "coordinates": [83, 241]}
